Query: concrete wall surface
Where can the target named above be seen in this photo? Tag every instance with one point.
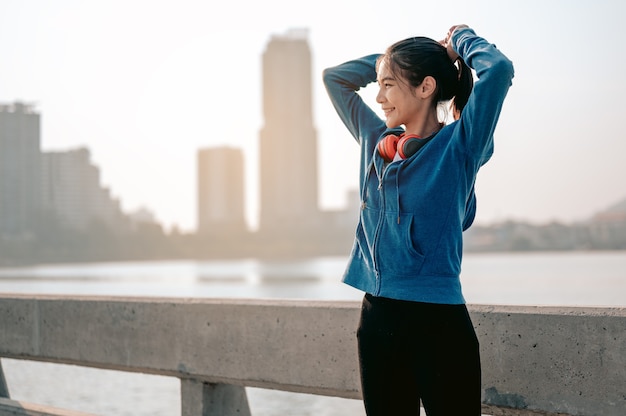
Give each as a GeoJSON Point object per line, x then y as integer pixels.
{"type": "Point", "coordinates": [554, 360]}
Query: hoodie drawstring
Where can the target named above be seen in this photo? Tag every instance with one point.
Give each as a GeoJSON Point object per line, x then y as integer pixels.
{"type": "Point", "coordinates": [398, 190]}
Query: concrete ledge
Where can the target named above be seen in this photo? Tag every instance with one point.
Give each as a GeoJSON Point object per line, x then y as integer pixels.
{"type": "Point", "coordinates": [294, 346]}
{"type": "Point", "coordinates": [558, 360]}
{"type": "Point", "coordinates": [551, 360]}
{"type": "Point", "coordinates": [17, 408]}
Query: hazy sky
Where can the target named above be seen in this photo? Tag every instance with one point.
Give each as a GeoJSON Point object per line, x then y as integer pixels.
{"type": "Point", "coordinates": [144, 83]}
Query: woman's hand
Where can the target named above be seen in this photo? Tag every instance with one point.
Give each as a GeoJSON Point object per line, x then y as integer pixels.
{"type": "Point", "coordinates": [448, 44]}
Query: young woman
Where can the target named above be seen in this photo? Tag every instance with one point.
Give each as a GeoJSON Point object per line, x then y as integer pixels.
{"type": "Point", "coordinates": [416, 340]}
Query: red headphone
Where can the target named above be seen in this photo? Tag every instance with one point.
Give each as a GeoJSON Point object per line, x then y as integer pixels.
{"type": "Point", "coordinates": [406, 145]}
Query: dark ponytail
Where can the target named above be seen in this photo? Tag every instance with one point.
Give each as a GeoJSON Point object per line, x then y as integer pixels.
{"type": "Point", "coordinates": [466, 83]}
{"type": "Point", "coordinates": [415, 58]}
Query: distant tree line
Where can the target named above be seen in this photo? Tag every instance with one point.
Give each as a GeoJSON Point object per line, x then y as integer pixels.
{"type": "Point", "coordinates": [148, 241]}
{"type": "Point", "coordinates": [99, 242]}
{"type": "Point", "coordinates": [521, 236]}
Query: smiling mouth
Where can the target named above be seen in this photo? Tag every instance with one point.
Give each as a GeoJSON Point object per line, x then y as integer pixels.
{"type": "Point", "coordinates": [387, 111]}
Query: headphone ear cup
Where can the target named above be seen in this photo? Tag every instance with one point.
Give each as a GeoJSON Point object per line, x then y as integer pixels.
{"type": "Point", "coordinates": [409, 144]}
{"type": "Point", "coordinates": [387, 147]}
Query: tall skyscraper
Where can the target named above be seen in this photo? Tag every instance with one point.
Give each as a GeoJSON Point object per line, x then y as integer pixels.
{"type": "Point", "coordinates": [19, 170]}
{"type": "Point", "coordinates": [220, 191]}
{"type": "Point", "coordinates": [288, 140]}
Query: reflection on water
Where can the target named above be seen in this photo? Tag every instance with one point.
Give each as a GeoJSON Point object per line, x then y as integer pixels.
{"type": "Point", "coordinates": [250, 269]}
{"type": "Point", "coordinates": [566, 278]}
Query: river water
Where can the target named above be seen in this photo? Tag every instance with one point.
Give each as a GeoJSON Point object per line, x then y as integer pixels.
{"type": "Point", "coordinates": [559, 279]}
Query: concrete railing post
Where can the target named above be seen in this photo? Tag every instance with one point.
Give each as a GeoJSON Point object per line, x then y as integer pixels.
{"type": "Point", "coordinates": [4, 390]}
{"type": "Point", "coordinates": [207, 399]}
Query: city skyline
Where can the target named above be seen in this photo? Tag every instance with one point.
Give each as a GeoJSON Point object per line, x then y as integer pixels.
{"type": "Point", "coordinates": [72, 200]}
{"type": "Point", "coordinates": [71, 187]}
{"type": "Point", "coordinates": [145, 96]}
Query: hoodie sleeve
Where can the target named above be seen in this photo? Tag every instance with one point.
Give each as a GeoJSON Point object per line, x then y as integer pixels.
{"type": "Point", "coordinates": [342, 83]}
{"type": "Point", "coordinates": [495, 73]}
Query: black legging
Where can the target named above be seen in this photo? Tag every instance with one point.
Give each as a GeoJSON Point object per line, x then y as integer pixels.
{"type": "Point", "coordinates": [410, 351]}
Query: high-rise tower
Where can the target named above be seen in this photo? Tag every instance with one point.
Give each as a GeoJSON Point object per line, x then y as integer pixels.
{"type": "Point", "coordinates": [20, 155]}
{"type": "Point", "coordinates": [220, 191]}
{"type": "Point", "coordinates": [288, 140]}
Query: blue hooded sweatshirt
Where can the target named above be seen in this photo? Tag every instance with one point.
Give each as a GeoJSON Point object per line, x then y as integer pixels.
{"type": "Point", "coordinates": [409, 241]}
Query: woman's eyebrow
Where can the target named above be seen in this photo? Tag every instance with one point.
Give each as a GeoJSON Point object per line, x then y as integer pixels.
{"type": "Point", "coordinates": [387, 78]}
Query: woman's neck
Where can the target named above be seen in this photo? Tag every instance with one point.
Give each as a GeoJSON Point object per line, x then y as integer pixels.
{"type": "Point", "coordinates": [424, 127]}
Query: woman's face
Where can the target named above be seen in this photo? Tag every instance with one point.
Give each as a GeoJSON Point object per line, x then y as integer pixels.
{"type": "Point", "coordinates": [397, 98]}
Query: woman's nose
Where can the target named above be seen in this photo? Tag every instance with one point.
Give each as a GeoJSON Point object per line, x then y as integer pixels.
{"type": "Point", "coordinates": [380, 97]}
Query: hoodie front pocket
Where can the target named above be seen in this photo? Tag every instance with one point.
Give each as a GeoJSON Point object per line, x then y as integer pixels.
{"type": "Point", "coordinates": [398, 252]}
{"type": "Point", "coordinates": [361, 247]}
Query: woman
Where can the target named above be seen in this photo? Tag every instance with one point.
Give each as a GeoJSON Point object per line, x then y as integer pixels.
{"type": "Point", "coordinates": [416, 340]}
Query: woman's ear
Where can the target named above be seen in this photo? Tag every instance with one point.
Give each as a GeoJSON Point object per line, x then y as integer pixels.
{"type": "Point", "coordinates": [427, 87]}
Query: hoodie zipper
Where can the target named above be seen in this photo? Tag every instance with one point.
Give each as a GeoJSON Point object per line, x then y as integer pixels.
{"type": "Point", "coordinates": [379, 224]}
{"type": "Point", "coordinates": [372, 168]}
